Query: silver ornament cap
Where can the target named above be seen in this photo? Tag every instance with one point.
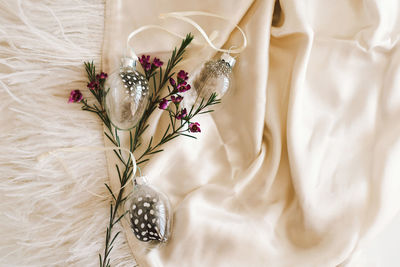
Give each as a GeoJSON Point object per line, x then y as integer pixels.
{"type": "Point", "coordinates": [228, 59]}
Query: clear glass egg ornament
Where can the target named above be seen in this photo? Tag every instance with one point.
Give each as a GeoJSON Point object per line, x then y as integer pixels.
{"type": "Point", "coordinates": [214, 77]}
{"type": "Point", "coordinates": [126, 96]}
{"type": "Point", "coordinates": [149, 213]}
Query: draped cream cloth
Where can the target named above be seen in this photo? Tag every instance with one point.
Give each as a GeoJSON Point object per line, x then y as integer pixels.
{"type": "Point", "coordinates": [300, 166]}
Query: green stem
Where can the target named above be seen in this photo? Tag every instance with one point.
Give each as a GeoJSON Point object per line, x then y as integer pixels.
{"type": "Point", "coordinates": [176, 57]}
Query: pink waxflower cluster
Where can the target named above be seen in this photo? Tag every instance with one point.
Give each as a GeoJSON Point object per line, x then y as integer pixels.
{"type": "Point", "coordinates": [96, 83]}
{"type": "Point", "coordinates": [163, 104]}
{"type": "Point", "coordinates": [148, 66]}
{"type": "Point", "coordinates": [180, 85]}
{"type": "Point", "coordinates": [182, 114]}
{"type": "Point", "coordinates": [176, 99]}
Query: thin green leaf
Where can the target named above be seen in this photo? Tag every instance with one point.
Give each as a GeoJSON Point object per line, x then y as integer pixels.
{"type": "Point", "coordinates": [115, 236]}
{"type": "Point", "coordinates": [120, 217]}
{"type": "Point", "coordinates": [109, 189]}
{"type": "Point", "coordinates": [207, 111]}
{"type": "Point", "coordinates": [142, 161]}
{"type": "Point", "coordinates": [156, 151]}
{"type": "Point", "coordinates": [188, 135]}
{"type": "Point", "coordinates": [110, 138]}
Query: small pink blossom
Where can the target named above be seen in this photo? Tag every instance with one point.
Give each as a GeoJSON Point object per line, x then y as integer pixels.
{"type": "Point", "coordinates": [176, 99]}
{"type": "Point", "coordinates": [183, 87]}
{"type": "Point", "coordinates": [182, 83]}
{"type": "Point", "coordinates": [182, 114]}
{"type": "Point", "coordinates": [163, 104]}
{"type": "Point", "coordinates": [183, 75]}
{"type": "Point", "coordinates": [145, 62]}
{"type": "Point", "coordinates": [194, 127]}
{"type": "Point", "coordinates": [147, 66]}
{"type": "Point", "coordinates": [157, 62]}
{"type": "Point", "coordinates": [144, 59]}
{"type": "Point", "coordinates": [102, 76]}
{"type": "Point", "coordinates": [75, 96]}
{"type": "Point", "coordinates": [172, 81]}
{"type": "Point", "coordinates": [93, 85]}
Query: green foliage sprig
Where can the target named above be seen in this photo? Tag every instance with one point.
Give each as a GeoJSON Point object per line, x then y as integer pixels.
{"type": "Point", "coordinates": [180, 124]}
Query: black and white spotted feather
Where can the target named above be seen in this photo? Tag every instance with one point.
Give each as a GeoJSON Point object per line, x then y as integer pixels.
{"type": "Point", "coordinates": [148, 215]}
{"type": "Point", "coordinates": [135, 83]}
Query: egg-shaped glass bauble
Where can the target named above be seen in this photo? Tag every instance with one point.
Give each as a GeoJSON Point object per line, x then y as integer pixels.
{"type": "Point", "coordinates": [214, 77]}
{"type": "Point", "coordinates": [149, 213]}
{"type": "Point", "coordinates": [126, 96]}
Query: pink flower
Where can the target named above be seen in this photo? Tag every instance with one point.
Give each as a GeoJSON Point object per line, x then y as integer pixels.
{"type": "Point", "coordinates": [182, 83]}
{"type": "Point", "coordinates": [194, 127]}
{"type": "Point", "coordinates": [184, 87]}
{"type": "Point", "coordinates": [172, 81]}
{"type": "Point", "coordinates": [75, 96]}
{"type": "Point", "coordinates": [145, 62]}
{"type": "Point", "coordinates": [176, 99]}
{"type": "Point", "coordinates": [144, 59]}
{"type": "Point", "coordinates": [163, 104]}
{"type": "Point", "coordinates": [147, 66]}
{"type": "Point", "coordinates": [183, 75]}
{"type": "Point", "coordinates": [182, 114]}
{"type": "Point", "coordinates": [157, 62]}
{"type": "Point", "coordinates": [93, 85]}
{"type": "Point", "coordinates": [103, 75]}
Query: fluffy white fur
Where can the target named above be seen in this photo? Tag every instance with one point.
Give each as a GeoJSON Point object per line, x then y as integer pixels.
{"type": "Point", "coordinates": [47, 215]}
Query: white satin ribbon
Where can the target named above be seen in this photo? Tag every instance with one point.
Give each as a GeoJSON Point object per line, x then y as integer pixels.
{"type": "Point", "coordinates": [184, 17]}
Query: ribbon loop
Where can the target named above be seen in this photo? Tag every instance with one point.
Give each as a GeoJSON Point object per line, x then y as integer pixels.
{"type": "Point", "coordinates": [184, 17]}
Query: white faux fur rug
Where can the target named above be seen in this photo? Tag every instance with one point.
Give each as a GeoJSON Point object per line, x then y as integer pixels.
{"type": "Point", "coordinates": [47, 215]}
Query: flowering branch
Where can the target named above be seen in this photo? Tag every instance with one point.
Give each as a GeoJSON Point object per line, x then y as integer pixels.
{"type": "Point", "coordinates": [176, 57]}
{"type": "Point", "coordinates": [181, 122]}
{"type": "Point", "coordinates": [96, 87]}
{"type": "Point", "coordinates": [186, 126]}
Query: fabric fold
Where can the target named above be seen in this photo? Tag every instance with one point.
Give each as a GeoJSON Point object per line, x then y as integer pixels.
{"type": "Point", "coordinates": [298, 166]}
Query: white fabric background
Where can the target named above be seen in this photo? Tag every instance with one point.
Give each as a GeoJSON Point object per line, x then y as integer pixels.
{"type": "Point", "coordinates": [301, 166]}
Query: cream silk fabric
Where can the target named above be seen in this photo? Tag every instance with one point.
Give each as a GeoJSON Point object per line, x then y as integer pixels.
{"type": "Point", "coordinates": [300, 166]}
